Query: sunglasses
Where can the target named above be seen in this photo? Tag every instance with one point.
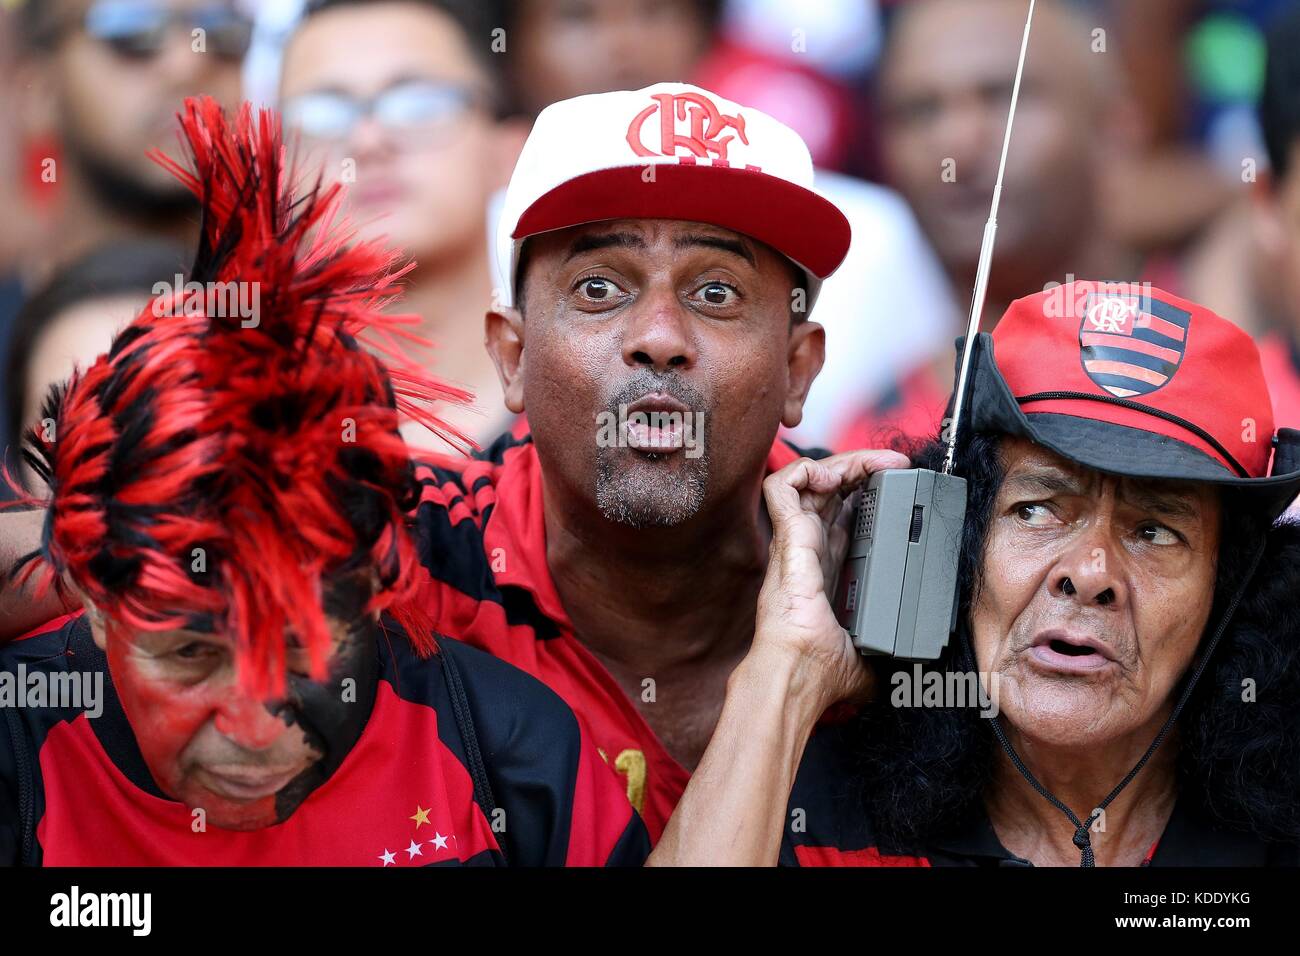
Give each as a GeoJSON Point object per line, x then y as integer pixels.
{"type": "Point", "coordinates": [417, 109]}
{"type": "Point", "coordinates": [139, 29]}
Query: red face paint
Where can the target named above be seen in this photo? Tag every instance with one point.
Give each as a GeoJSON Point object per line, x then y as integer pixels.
{"type": "Point", "coordinates": [247, 722]}
{"type": "Point", "coordinates": [206, 743]}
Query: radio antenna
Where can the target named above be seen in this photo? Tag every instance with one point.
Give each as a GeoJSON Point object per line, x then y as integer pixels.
{"type": "Point", "coordinates": [986, 260]}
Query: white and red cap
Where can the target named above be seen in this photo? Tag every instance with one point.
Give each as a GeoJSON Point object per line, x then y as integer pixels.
{"type": "Point", "coordinates": [670, 151]}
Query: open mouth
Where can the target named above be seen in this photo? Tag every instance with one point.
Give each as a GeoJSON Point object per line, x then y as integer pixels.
{"type": "Point", "coordinates": [1071, 654]}
{"type": "Point", "coordinates": [1071, 650]}
{"type": "Point", "coordinates": [658, 423]}
{"type": "Point", "coordinates": [655, 435]}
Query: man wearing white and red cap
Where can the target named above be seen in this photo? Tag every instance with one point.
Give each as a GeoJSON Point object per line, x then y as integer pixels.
{"type": "Point", "coordinates": [659, 253]}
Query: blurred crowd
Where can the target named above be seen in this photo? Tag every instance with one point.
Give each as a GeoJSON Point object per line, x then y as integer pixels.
{"type": "Point", "coordinates": [1155, 141]}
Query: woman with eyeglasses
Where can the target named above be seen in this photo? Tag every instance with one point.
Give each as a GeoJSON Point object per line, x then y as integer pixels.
{"type": "Point", "coordinates": [401, 100]}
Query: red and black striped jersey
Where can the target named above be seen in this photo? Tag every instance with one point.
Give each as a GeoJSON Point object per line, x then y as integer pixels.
{"type": "Point", "coordinates": [75, 791]}
{"type": "Point", "coordinates": [480, 532]}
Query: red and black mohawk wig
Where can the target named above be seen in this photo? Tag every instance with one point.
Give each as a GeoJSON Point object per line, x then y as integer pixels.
{"type": "Point", "coordinates": [227, 468]}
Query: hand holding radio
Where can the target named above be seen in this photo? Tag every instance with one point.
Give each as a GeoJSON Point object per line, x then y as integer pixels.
{"type": "Point", "coordinates": [807, 505]}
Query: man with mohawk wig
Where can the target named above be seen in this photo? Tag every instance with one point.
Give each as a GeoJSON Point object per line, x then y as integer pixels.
{"type": "Point", "coordinates": [228, 500]}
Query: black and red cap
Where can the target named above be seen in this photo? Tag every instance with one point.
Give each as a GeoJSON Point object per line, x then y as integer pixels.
{"type": "Point", "coordinates": [1129, 379]}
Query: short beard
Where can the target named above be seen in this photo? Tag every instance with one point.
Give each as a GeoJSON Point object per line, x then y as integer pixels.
{"type": "Point", "coordinates": [644, 494]}
{"type": "Point", "coordinates": [650, 499]}
{"type": "Point", "coordinates": [126, 193]}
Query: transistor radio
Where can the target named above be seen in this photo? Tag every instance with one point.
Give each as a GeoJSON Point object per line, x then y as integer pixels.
{"type": "Point", "coordinates": [897, 592]}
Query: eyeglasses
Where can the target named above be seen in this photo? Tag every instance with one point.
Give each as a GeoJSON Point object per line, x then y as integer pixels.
{"type": "Point", "coordinates": [139, 28]}
{"type": "Point", "coordinates": [417, 109]}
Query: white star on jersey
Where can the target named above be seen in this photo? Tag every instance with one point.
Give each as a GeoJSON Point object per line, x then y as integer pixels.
{"type": "Point", "coordinates": [414, 850]}
{"type": "Point", "coordinates": [439, 841]}
{"type": "Point", "coordinates": [387, 858]}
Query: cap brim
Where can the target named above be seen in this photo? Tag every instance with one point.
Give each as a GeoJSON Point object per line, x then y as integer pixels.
{"type": "Point", "coordinates": [1110, 447]}
{"type": "Point", "coordinates": [1135, 453]}
{"type": "Point", "coordinates": [1123, 450]}
{"type": "Point", "coordinates": [796, 222]}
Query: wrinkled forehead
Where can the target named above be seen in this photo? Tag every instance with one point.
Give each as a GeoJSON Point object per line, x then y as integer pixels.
{"type": "Point", "coordinates": [1028, 466]}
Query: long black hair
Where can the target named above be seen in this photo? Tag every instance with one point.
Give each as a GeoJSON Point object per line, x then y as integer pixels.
{"type": "Point", "coordinates": [924, 771]}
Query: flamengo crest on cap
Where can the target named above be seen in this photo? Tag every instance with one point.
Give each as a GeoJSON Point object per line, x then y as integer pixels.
{"type": "Point", "coordinates": [1131, 344]}
{"type": "Point", "coordinates": [690, 128]}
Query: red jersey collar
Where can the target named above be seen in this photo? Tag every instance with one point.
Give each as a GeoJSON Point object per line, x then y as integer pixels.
{"type": "Point", "coordinates": [514, 537]}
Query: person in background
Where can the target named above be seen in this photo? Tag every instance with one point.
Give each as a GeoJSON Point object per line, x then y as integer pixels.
{"type": "Point", "coordinates": [1195, 71]}
{"type": "Point", "coordinates": [402, 101]}
{"type": "Point", "coordinates": [561, 50]}
{"type": "Point", "coordinates": [944, 104]}
{"type": "Point", "coordinates": [797, 62]}
{"type": "Point", "coordinates": [107, 78]}
{"type": "Point", "coordinates": [101, 83]}
{"type": "Point", "coordinates": [809, 66]}
{"type": "Point", "coordinates": [71, 321]}
{"type": "Point", "coordinates": [20, 222]}
{"type": "Point", "coordinates": [14, 211]}
{"type": "Point", "coordinates": [1275, 209]}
